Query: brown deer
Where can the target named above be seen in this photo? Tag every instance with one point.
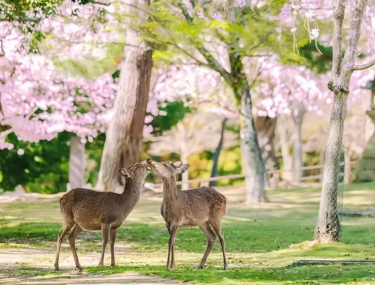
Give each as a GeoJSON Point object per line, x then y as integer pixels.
{"type": "Point", "coordinates": [203, 207]}
{"type": "Point", "coordinates": [100, 211]}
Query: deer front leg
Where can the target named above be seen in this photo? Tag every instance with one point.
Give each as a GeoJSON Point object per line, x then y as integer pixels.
{"type": "Point", "coordinates": [72, 241]}
{"type": "Point", "coordinates": [112, 234]}
{"type": "Point", "coordinates": [172, 235]}
{"type": "Point", "coordinates": [64, 230]}
{"type": "Point", "coordinates": [105, 233]}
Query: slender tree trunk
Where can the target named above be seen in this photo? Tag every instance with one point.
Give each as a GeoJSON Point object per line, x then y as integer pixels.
{"type": "Point", "coordinates": [298, 111]}
{"type": "Point", "coordinates": [217, 153]}
{"type": "Point", "coordinates": [265, 128]}
{"type": "Point", "coordinates": [77, 163]}
{"type": "Point", "coordinates": [328, 225]}
{"type": "Point", "coordinates": [134, 79]}
{"type": "Point", "coordinates": [255, 171]}
{"type": "Point", "coordinates": [285, 145]}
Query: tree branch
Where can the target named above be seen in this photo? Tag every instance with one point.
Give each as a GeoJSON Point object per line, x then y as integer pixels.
{"type": "Point", "coordinates": [212, 62]}
{"type": "Point", "coordinates": [364, 66]}
{"type": "Point", "coordinates": [339, 14]}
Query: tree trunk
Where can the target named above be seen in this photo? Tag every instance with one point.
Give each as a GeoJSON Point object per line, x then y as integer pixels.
{"type": "Point", "coordinates": [328, 226]}
{"type": "Point", "coordinates": [134, 79]}
{"type": "Point", "coordinates": [265, 128]}
{"type": "Point", "coordinates": [255, 171]}
{"type": "Point", "coordinates": [285, 145]}
{"type": "Point", "coordinates": [77, 163]}
{"type": "Point", "coordinates": [185, 175]}
{"type": "Point", "coordinates": [298, 111]}
{"type": "Point", "coordinates": [132, 152]}
{"type": "Point", "coordinates": [217, 154]}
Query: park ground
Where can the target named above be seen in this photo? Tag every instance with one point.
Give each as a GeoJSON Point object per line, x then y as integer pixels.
{"type": "Point", "coordinates": [262, 243]}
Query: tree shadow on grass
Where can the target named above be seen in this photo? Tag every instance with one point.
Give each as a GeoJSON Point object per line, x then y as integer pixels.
{"type": "Point", "coordinates": [290, 274]}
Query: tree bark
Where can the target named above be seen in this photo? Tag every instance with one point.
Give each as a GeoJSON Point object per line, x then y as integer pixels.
{"type": "Point", "coordinates": [298, 111]}
{"type": "Point", "coordinates": [328, 226]}
{"type": "Point", "coordinates": [265, 128]}
{"type": "Point", "coordinates": [255, 171]}
{"type": "Point", "coordinates": [134, 79]}
{"type": "Point", "coordinates": [77, 163]}
{"type": "Point", "coordinates": [217, 154]}
{"type": "Point", "coordinates": [132, 151]}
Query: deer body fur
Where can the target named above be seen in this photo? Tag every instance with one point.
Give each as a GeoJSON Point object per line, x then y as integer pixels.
{"type": "Point", "coordinates": [203, 207]}
{"type": "Point", "coordinates": [85, 209]}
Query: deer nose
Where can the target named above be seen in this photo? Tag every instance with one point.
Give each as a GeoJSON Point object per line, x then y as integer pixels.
{"type": "Point", "coordinates": [148, 160]}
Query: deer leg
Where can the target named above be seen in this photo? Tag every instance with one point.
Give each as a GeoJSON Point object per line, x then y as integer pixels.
{"type": "Point", "coordinates": [172, 235]}
{"type": "Point", "coordinates": [206, 229]}
{"type": "Point", "coordinates": [173, 265]}
{"type": "Point", "coordinates": [217, 228]}
{"type": "Point", "coordinates": [112, 235]}
{"type": "Point", "coordinates": [105, 233]}
{"type": "Point", "coordinates": [72, 241]}
{"type": "Point", "coordinates": [64, 230]}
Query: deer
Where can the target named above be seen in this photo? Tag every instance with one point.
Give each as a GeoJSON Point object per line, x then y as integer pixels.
{"type": "Point", "coordinates": [86, 209]}
{"type": "Point", "coordinates": [203, 207]}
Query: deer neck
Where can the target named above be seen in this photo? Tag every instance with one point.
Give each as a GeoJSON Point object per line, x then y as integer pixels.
{"type": "Point", "coordinates": [169, 188]}
{"type": "Point", "coordinates": [132, 190]}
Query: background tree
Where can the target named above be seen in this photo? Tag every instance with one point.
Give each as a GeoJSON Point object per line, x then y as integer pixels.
{"type": "Point", "coordinates": [343, 65]}
{"type": "Point", "coordinates": [195, 133]}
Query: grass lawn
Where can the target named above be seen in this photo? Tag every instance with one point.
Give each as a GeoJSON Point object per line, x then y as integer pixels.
{"type": "Point", "coordinates": [261, 243]}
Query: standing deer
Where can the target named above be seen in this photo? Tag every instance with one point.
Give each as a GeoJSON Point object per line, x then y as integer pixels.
{"type": "Point", "coordinates": [100, 211]}
{"type": "Point", "coordinates": [203, 207]}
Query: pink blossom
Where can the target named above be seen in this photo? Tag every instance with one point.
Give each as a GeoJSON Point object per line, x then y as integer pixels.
{"type": "Point", "coordinates": [241, 3]}
{"type": "Point", "coordinates": [216, 16]}
{"type": "Point", "coordinates": [190, 9]}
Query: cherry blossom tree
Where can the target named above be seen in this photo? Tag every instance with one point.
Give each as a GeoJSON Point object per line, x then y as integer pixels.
{"type": "Point", "coordinates": [351, 17]}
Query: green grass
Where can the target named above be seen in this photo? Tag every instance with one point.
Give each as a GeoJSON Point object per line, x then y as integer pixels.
{"type": "Point", "coordinates": [260, 248]}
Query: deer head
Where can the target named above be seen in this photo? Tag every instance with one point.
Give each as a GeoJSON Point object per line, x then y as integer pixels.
{"type": "Point", "coordinates": [168, 168]}
{"type": "Point", "coordinates": [136, 171]}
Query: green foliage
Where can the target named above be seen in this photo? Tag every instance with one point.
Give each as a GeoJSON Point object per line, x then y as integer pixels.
{"type": "Point", "coordinates": [43, 168]}
{"type": "Point", "coordinates": [320, 63]}
{"type": "Point", "coordinates": [175, 112]}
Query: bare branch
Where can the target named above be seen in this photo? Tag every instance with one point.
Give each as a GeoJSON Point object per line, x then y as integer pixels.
{"type": "Point", "coordinates": [364, 66]}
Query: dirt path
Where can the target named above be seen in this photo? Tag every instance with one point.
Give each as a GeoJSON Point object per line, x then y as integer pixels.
{"type": "Point", "coordinates": [14, 261]}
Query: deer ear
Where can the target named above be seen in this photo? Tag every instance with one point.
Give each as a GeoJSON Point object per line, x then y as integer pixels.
{"type": "Point", "coordinates": [178, 163]}
{"type": "Point", "coordinates": [124, 173]}
{"type": "Point", "coordinates": [182, 168]}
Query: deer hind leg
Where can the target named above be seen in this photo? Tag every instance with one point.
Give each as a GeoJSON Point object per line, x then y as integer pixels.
{"type": "Point", "coordinates": [112, 235]}
{"type": "Point", "coordinates": [72, 241]}
{"type": "Point", "coordinates": [206, 229]}
{"type": "Point", "coordinates": [105, 233]}
{"type": "Point", "coordinates": [217, 228]}
{"type": "Point", "coordinates": [172, 236]}
{"type": "Point", "coordinates": [67, 225]}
